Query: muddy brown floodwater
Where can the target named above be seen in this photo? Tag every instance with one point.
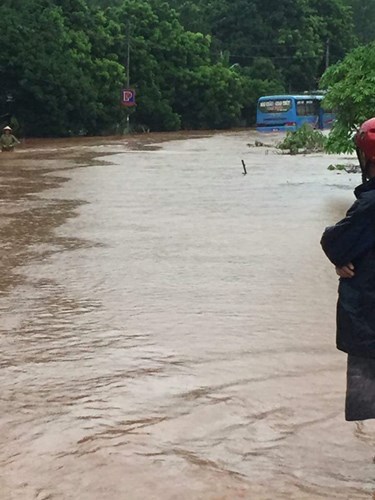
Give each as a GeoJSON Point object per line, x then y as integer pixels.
{"type": "Point", "coordinates": [167, 324]}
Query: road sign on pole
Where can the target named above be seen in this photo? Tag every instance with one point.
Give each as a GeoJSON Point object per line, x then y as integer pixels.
{"type": "Point", "coordinates": [128, 98]}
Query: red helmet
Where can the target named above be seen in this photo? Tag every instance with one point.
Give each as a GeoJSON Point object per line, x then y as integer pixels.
{"type": "Point", "coordinates": [365, 140]}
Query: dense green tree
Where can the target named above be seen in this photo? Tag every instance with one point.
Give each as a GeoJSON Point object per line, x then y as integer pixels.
{"type": "Point", "coordinates": [210, 97]}
{"type": "Point", "coordinates": [195, 15]}
{"type": "Point", "coordinates": [364, 19]}
{"type": "Point", "coordinates": [193, 63]}
{"type": "Point", "coordinates": [176, 82]}
{"type": "Point", "coordinates": [293, 34]}
{"type": "Point", "coordinates": [60, 84]}
{"type": "Point", "coordinates": [351, 94]}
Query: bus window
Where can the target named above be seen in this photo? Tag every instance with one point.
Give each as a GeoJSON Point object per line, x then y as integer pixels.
{"type": "Point", "coordinates": [275, 106]}
{"type": "Point", "coordinates": [307, 107]}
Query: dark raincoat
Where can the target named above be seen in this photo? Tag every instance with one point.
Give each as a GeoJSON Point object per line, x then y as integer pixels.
{"type": "Point", "coordinates": [353, 240]}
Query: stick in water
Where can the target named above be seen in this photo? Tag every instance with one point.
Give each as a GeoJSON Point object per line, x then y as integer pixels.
{"type": "Point", "coordinates": [244, 168]}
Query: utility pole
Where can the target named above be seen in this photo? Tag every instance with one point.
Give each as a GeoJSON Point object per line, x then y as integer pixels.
{"type": "Point", "coordinates": [327, 53]}
{"type": "Point", "coordinates": [128, 73]}
{"type": "Point", "coordinates": [128, 54]}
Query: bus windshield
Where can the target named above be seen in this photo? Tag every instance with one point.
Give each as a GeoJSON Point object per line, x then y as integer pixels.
{"type": "Point", "coordinates": [275, 106]}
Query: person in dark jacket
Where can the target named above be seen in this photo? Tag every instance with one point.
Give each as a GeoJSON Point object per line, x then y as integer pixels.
{"type": "Point", "coordinates": [350, 246]}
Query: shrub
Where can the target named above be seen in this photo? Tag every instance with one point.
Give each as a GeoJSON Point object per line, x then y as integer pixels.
{"type": "Point", "coordinates": [304, 140]}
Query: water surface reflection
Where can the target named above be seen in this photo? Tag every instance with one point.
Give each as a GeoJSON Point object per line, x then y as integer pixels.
{"type": "Point", "coordinates": [167, 325]}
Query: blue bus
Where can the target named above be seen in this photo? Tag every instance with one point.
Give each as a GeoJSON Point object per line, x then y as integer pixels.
{"type": "Point", "coordinates": [289, 112]}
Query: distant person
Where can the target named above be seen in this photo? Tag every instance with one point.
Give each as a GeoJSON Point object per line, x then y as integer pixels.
{"type": "Point", "coordinates": [7, 140]}
{"type": "Point", "coordinates": [350, 246]}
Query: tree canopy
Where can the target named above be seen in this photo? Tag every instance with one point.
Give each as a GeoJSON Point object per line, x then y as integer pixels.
{"type": "Point", "coordinates": [54, 63]}
{"type": "Point", "coordinates": [364, 19]}
{"type": "Point", "coordinates": [294, 35]}
{"type": "Point", "coordinates": [194, 64]}
{"type": "Point", "coordinates": [351, 94]}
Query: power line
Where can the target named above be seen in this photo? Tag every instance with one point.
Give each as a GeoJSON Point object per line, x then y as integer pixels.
{"type": "Point", "coordinates": [280, 45]}
{"type": "Point", "coordinates": [237, 56]}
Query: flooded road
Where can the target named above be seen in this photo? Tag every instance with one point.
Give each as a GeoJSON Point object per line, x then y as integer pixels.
{"type": "Point", "coordinates": [167, 325]}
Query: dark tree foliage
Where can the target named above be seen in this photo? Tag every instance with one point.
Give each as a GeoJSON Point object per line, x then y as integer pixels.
{"type": "Point", "coordinates": [351, 94]}
{"type": "Point", "coordinates": [293, 34]}
{"type": "Point", "coordinates": [364, 19]}
{"type": "Point", "coordinates": [61, 80]}
{"type": "Point", "coordinates": [194, 63]}
{"type": "Point", "coordinates": [177, 83]}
